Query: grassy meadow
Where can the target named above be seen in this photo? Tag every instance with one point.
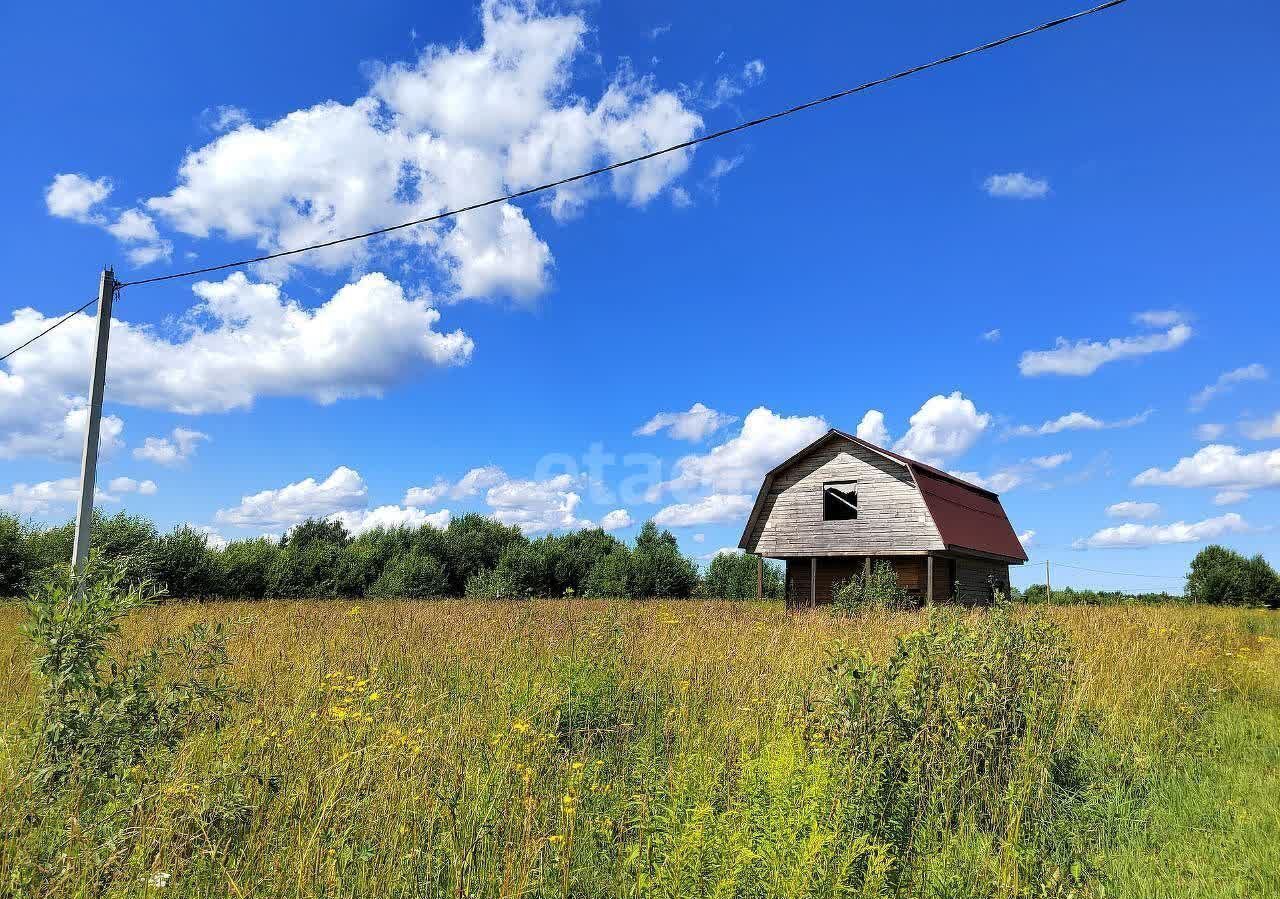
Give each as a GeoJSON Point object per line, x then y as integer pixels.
{"type": "Point", "coordinates": [686, 748]}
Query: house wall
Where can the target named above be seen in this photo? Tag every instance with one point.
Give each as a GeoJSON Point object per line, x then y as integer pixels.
{"type": "Point", "coordinates": [891, 513]}
{"type": "Point", "coordinates": [913, 576]}
{"type": "Point", "coordinates": [972, 575]}
{"type": "Point", "coordinates": [911, 571]}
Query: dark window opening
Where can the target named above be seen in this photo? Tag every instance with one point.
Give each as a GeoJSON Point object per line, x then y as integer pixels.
{"type": "Point", "coordinates": [840, 501]}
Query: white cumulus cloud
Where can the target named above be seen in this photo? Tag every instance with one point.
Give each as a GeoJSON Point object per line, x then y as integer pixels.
{"type": "Point", "coordinates": [739, 464]}
{"type": "Point", "coordinates": [358, 521]}
{"type": "Point", "coordinates": [1084, 357]}
{"type": "Point", "coordinates": [1077, 421]}
{"type": "Point", "coordinates": [718, 508]}
{"type": "Point", "coordinates": [172, 450]}
{"type": "Point", "coordinates": [537, 506]}
{"type": "Point", "coordinates": [872, 428]}
{"type": "Point", "coordinates": [344, 490]}
{"type": "Point", "coordinates": [944, 427]}
{"type": "Point", "coordinates": [245, 339]}
{"type": "Point", "coordinates": [616, 520]}
{"type": "Point", "coordinates": [1016, 185]}
{"type": "Point", "coordinates": [42, 498]}
{"type": "Point", "coordinates": [698, 423]}
{"type": "Point", "coordinates": [455, 126]}
{"type": "Point", "coordinates": [1134, 510]}
{"type": "Point", "coordinates": [1217, 465]}
{"type": "Point", "coordinates": [73, 196]}
{"type": "Point", "coordinates": [1139, 535]}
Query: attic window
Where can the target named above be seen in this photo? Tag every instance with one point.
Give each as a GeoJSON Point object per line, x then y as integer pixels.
{"type": "Point", "coordinates": [840, 501]}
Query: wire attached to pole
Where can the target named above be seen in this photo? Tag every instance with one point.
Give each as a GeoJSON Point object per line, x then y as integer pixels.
{"type": "Point", "coordinates": [551, 185]}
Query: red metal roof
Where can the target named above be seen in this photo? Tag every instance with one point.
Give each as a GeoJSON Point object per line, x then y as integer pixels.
{"type": "Point", "coordinates": [967, 516]}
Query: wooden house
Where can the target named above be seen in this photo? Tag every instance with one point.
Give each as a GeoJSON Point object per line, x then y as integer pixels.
{"type": "Point", "coordinates": [841, 503]}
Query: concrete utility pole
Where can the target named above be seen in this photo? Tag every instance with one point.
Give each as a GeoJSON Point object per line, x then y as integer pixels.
{"type": "Point", "coordinates": [1048, 591]}
{"type": "Point", "coordinates": [97, 382]}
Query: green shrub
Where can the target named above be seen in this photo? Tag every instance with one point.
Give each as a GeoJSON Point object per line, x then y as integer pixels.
{"type": "Point", "coordinates": [877, 590]}
{"type": "Point", "coordinates": [490, 584]}
{"type": "Point", "coordinates": [52, 547]}
{"type": "Point", "coordinates": [414, 575]}
{"type": "Point", "coordinates": [185, 565]}
{"type": "Point", "coordinates": [610, 577]}
{"type": "Point", "coordinates": [244, 568]}
{"type": "Point", "coordinates": [307, 569]}
{"type": "Point", "coordinates": [102, 713]}
{"type": "Point", "coordinates": [129, 543]}
{"type": "Point", "coordinates": [17, 558]}
{"type": "Point", "coordinates": [570, 558]}
{"type": "Point", "coordinates": [733, 576]}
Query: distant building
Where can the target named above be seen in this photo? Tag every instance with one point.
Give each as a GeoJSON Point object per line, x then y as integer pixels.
{"type": "Point", "coordinates": [841, 503]}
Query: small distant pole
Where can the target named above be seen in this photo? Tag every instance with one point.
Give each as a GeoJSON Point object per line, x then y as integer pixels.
{"type": "Point", "coordinates": [97, 383]}
{"type": "Point", "coordinates": [1048, 591]}
{"type": "Point", "coordinates": [759, 577]}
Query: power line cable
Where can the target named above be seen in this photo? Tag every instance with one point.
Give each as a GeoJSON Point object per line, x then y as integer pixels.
{"type": "Point", "coordinates": [742, 126]}
{"type": "Point", "coordinates": [62, 321]}
{"type": "Point", "coordinates": [1100, 571]}
{"type": "Point", "coordinates": [715, 135]}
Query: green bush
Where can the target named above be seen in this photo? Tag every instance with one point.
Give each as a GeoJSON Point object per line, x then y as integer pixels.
{"type": "Point", "coordinates": [244, 568]}
{"type": "Point", "coordinates": [17, 558]}
{"type": "Point", "coordinates": [611, 576]}
{"type": "Point", "coordinates": [490, 584]}
{"type": "Point", "coordinates": [185, 565]}
{"type": "Point", "coordinates": [52, 547]}
{"type": "Point", "coordinates": [733, 576]}
{"type": "Point", "coordinates": [308, 569]}
{"type": "Point", "coordinates": [414, 575]}
{"type": "Point", "coordinates": [130, 543]}
{"type": "Point", "coordinates": [102, 713]}
{"type": "Point", "coordinates": [877, 590]}
{"type": "Point", "coordinates": [1223, 577]}
{"type": "Point", "coordinates": [570, 558]}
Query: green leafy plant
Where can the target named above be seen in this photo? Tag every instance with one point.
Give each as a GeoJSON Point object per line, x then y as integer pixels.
{"type": "Point", "coordinates": [877, 590]}
{"type": "Point", "coordinates": [102, 712]}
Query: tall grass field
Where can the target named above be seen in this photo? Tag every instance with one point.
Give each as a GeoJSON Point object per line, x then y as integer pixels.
{"type": "Point", "coordinates": [645, 749]}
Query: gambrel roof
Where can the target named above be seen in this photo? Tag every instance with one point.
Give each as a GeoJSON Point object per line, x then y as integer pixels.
{"type": "Point", "coordinates": [968, 517]}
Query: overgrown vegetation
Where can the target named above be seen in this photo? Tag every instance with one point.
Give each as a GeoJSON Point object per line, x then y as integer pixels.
{"type": "Point", "coordinates": [600, 748]}
{"type": "Point", "coordinates": [878, 589]}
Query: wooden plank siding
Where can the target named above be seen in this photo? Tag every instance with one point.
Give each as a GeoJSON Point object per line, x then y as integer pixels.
{"type": "Point", "coordinates": [892, 516]}
{"type": "Point", "coordinates": [911, 572]}
{"type": "Point", "coordinates": [973, 580]}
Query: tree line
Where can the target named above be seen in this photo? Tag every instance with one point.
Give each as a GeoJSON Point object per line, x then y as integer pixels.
{"type": "Point", "coordinates": [473, 556]}
{"type": "Point", "coordinates": [476, 556]}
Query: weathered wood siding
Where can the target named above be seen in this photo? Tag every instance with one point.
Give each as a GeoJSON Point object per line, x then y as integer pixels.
{"type": "Point", "coordinates": [891, 513]}
{"type": "Point", "coordinates": [972, 578]}
{"type": "Point", "coordinates": [944, 578]}
{"type": "Point", "coordinates": [911, 572]}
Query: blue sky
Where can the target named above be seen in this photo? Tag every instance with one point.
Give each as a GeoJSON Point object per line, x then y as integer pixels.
{"type": "Point", "coordinates": [1083, 222]}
